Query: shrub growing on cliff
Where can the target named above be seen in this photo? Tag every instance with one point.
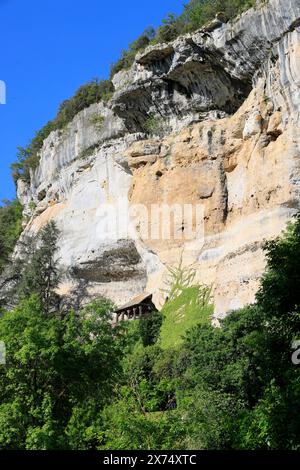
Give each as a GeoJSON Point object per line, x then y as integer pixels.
{"type": "Point", "coordinates": [154, 125]}
{"type": "Point", "coordinates": [199, 12]}
{"type": "Point", "coordinates": [127, 56]}
{"type": "Point", "coordinates": [172, 26]}
{"type": "Point", "coordinates": [90, 93]}
{"type": "Point", "coordinates": [97, 121]}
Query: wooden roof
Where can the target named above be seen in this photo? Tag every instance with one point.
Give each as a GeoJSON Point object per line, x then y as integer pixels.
{"type": "Point", "coordinates": [135, 301]}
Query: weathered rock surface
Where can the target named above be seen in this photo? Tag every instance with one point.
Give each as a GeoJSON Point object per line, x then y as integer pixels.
{"type": "Point", "coordinates": [222, 107]}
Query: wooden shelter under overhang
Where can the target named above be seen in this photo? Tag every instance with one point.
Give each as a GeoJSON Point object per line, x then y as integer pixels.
{"type": "Point", "coordinates": [138, 307]}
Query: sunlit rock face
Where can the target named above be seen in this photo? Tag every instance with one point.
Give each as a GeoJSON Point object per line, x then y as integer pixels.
{"type": "Point", "coordinates": [210, 120]}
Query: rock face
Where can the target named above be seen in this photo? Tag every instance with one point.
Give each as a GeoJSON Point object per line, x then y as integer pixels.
{"type": "Point", "coordinates": [210, 121]}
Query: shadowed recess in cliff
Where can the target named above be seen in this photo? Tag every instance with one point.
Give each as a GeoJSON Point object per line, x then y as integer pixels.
{"type": "Point", "coordinates": [199, 85]}
{"type": "Point", "coordinates": [118, 263]}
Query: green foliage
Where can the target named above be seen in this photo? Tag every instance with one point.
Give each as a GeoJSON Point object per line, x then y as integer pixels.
{"type": "Point", "coordinates": [172, 26]}
{"type": "Point", "coordinates": [32, 205]}
{"type": "Point", "coordinates": [234, 387]}
{"type": "Point", "coordinates": [187, 304]}
{"type": "Point", "coordinates": [35, 270]}
{"type": "Point", "coordinates": [200, 12]}
{"type": "Point", "coordinates": [129, 429]}
{"type": "Point", "coordinates": [209, 418]}
{"type": "Point", "coordinates": [153, 125]}
{"type": "Point", "coordinates": [183, 313]}
{"type": "Point", "coordinates": [139, 417]}
{"type": "Point", "coordinates": [279, 294]}
{"type": "Point", "coordinates": [149, 328]}
{"type": "Point", "coordinates": [59, 374]}
{"type": "Point", "coordinates": [40, 274]}
{"type": "Point", "coordinates": [97, 121]}
{"type": "Point", "coordinates": [72, 381]}
{"type": "Point", "coordinates": [221, 378]}
{"type": "Point", "coordinates": [127, 56]}
{"type": "Point", "coordinates": [10, 229]}
{"type": "Point", "coordinates": [92, 92]}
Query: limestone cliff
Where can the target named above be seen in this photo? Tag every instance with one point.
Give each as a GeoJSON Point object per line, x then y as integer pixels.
{"type": "Point", "coordinates": [210, 119]}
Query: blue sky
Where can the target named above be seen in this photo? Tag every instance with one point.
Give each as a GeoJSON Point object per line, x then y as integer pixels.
{"type": "Point", "coordinates": [50, 48]}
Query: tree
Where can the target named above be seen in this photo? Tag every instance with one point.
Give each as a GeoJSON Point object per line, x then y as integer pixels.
{"type": "Point", "coordinates": [10, 229]}
{"type": "Point", "coordinates": [140, 416]}
{"type": "Point", "coordinates": [59, 375]}
{"type": "Point", "coordinates": [34, 270]}
{"type": "Point", "coordinates": [172, 26]}
{"type": "Point", "coordinates": [279, 294]}
{"type": "Point", "coordinates": [126, 428]}
{"type": "Point", "coordinates": [41, 274]}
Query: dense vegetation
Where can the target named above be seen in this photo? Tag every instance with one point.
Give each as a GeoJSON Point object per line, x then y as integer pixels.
{"type": "Point", "coordinates": [59, 373]}
{"type": "Point", "coordinates": [73, 381]}
{"type": "Point", "coordinates": [196, 13]}
{"type": "Point", "coordinates": [10, 229]}
{"type": "Point", "coordinates": [188, 304]}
